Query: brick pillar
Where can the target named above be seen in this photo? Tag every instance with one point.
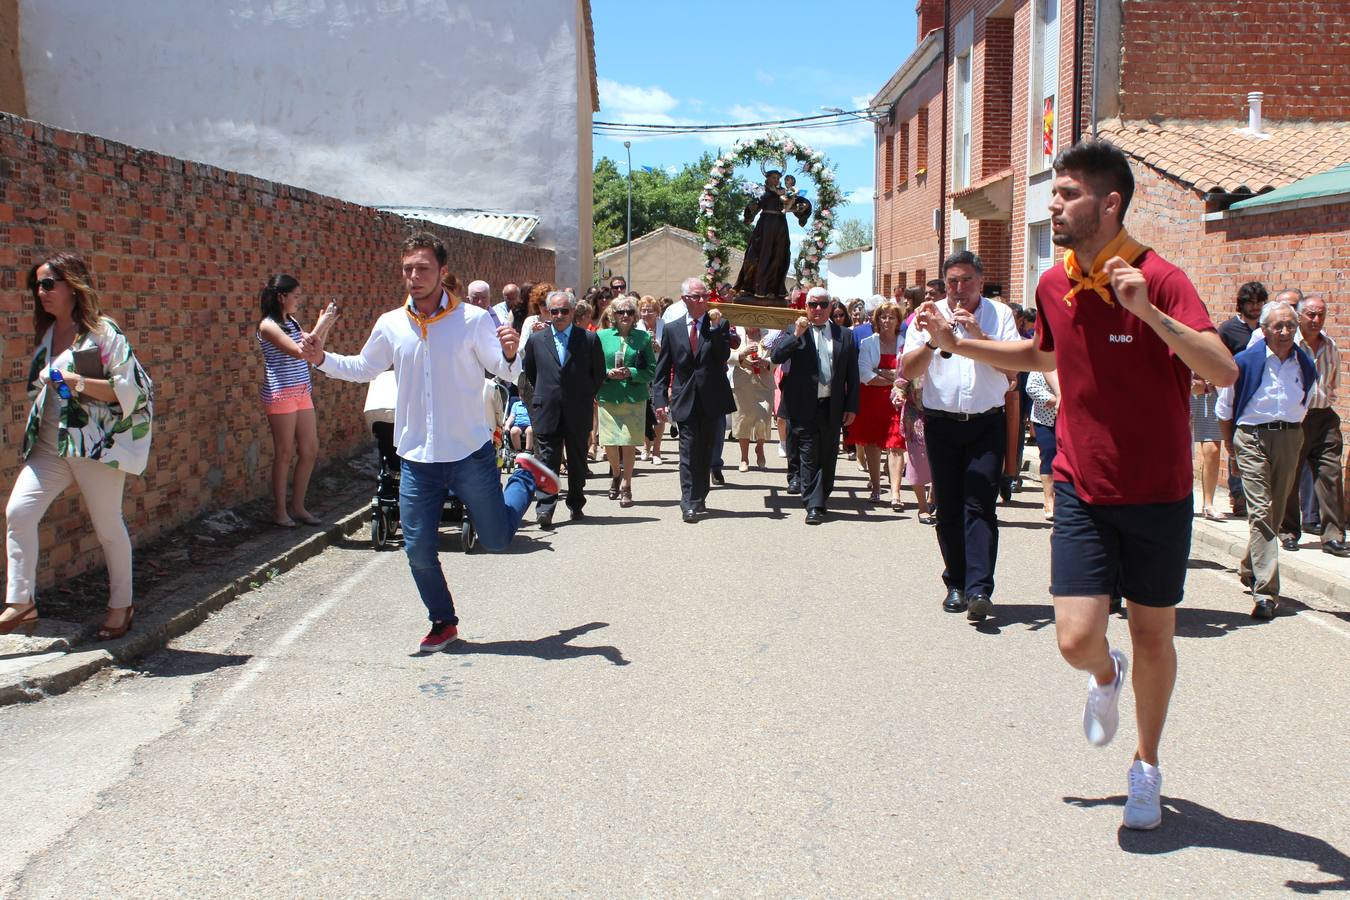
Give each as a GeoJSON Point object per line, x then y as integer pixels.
{"type": "Point", "coordinates": [930, 16]}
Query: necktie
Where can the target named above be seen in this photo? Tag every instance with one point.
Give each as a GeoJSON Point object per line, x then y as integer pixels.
{"type": "Point", "coordinates": [693, 336]}
{"type": "Point", "coordinates": [1122, 245]}
{"type": "Point", "coordinates": [824, 358]}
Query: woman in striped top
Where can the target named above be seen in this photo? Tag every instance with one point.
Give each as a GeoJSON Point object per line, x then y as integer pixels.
{"type": "Point", "coordinates": [285, 395]}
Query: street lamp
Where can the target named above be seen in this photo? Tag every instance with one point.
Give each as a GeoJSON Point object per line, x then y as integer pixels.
{"type": "Point", "coordinates": [628, 239]}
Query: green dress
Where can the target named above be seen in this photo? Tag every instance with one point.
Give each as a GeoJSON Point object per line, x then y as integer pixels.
{"type": "Point", "coordinates": [623, 404]}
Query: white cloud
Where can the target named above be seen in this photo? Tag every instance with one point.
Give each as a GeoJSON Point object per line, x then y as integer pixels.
{"type": "Point", "coordinates": [634, 103]}
{"type": "Point", "coordinates": [860, 196]}
{"type": "Point", "coordinates": [763, 77]}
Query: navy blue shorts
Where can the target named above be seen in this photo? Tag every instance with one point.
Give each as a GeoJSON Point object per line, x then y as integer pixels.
{"type": "Point", "coordinates": [1138, 550]}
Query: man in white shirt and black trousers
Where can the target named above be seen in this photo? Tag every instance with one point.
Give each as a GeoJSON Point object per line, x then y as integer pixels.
{"type": "Point", "coordinates": [965, 428]}
{"type": "Point", "coordinates": [439, 348]}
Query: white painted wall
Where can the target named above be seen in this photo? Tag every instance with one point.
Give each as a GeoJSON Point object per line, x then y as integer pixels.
{"type": "Point", "coordinates": [849, 275]}
{"type": "Point", "coordinates": [459, 103]}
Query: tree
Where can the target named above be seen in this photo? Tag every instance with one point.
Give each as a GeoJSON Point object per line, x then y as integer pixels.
{"type": "Point", "coordinates": [851, 234]}
{"type": "Point", "coordinates": [660, 198]}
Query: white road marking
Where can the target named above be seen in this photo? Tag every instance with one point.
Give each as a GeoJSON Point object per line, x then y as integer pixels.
{"type": "Point", "coordinates": [283, 643]}
{"type": "Point", "coordinates": [1312, 615]}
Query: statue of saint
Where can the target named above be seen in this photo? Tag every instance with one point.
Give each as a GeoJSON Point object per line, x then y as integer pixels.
{"type": "Point", "coordinates": [767, 257]}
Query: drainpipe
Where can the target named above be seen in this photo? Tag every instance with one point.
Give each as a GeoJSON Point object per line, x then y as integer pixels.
{"type": "Point", "coordinates": [942, 188]}
{"type": "Point", "coordinates": [1079, 9]}
{"type": "Point", "coordinates": [1096, 43]}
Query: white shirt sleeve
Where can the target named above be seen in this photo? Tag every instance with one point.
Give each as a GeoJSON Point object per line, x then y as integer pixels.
{"type": "Point", "coordinates": [869, 356]}
{"type": "Point", "coordinates": [1223, 406]}
{"type": "Point", "coordinates": [375, 357]}
{"type": "Point", "coordinates": [489, 350]}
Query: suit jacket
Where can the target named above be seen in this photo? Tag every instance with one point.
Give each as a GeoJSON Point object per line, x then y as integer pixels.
{"type": "Point", "coordinates": [803, 375]}
{"type": "Point", "coordinates": [693, 384]}
{"type": "Point", "coordinates": [563, 394]}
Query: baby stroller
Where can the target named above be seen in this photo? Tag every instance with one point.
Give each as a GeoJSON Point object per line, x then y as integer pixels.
{"type": "Point", "coordinates": [379, 412]}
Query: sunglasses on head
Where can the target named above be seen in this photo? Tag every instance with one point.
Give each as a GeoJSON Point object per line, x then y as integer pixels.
{"type": "Point", "coordinates": [817, 304]}
{"type": "Point", "coordinates": [47, 284]}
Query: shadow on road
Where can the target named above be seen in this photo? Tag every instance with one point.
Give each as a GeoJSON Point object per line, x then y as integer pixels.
{"type": "Point", "coordinates": [1194, 622]}
{"type": "Point", "coordinates": [1186, 824]}
{"type": "Point", "coordinates": [1035, 616]}
{"type": "Point", "coordinates": [557, 646]}
{"type": "Point", "coordinates": [172, 663]}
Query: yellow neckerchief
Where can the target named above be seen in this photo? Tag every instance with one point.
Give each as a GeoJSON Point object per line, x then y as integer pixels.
{"type": "Point", "coordinates": [424, 322]}
{"type": "Point", "coordinates": [1122, 245]}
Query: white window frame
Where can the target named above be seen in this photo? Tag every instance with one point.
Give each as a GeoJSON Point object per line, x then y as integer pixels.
{"type": "Point", "coordinates": [1037, 161]}
{"type": "Point", "coordinates": [1034, 269]}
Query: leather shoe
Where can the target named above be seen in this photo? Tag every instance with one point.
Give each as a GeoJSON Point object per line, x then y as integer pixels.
{"type": "Point", "coordinates": [955, 602]}
{"type": "Point", "coordinates": [577, 515]}
{"type": "Point", "coordinates": [544, 521]}
{"type": "Point", "coordinates": [1264, 609]}
{"type": "Point", "coordinates": [1336, 548]}
{"type": "Point", "coordinates": [701, 507]}
{"type": "Point", "coordinates": [1290, 544]}
{"type": "Point", "coordinates": [815, 515]}
{"type": "Point", "coordinates": [979, 607]}
{"type": "Point", "coordinates": [716, 477]}
{"type": "Point", "coordinates": [690, 517]}
{"type": "Point", "coordinates": [794, 487]}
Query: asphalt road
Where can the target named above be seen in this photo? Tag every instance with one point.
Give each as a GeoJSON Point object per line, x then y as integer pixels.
{"type": "Point", "coordinates": [746, 706]}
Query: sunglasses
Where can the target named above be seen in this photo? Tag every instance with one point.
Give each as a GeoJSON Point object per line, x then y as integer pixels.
{"type": "Point", "coordinates": [562, 311]}
{"type": "Point", "coordinates": [817, 304]}
{"type": "Point", "coordinates": [47, 284]}
{"type": "Point", "coordinates": [693, 296]}
{"type": "Point", "coordinates": [625, 312]}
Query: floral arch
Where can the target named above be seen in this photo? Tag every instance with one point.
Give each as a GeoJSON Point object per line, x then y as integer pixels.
{"type": "Point", "coordinates": [774, 146]}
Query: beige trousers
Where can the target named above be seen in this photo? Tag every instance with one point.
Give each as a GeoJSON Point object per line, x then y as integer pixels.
{"type": "Point", "coordinates": [1268, 462]}
{"type": "Point", "coordinates": [41, 480]}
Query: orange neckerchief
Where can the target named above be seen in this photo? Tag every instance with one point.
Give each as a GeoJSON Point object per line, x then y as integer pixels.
{"type": "Point", "coordinates": [1124, 246]}
{"type": "Point", "coordinates": [424, 322]}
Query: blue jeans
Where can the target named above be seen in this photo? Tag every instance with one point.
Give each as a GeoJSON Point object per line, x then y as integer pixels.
{"type": "Point", "coordinates": [496, 513]}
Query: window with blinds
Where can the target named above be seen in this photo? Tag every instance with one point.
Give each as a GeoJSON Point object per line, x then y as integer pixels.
{"type": "Point", "coordinates": [961, 135]}
{"type": "Point", "coordinates": [1040, 256]}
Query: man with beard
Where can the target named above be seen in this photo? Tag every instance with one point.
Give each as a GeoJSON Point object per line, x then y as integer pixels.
{"type": "Point", "coordinates": [1125, 329]}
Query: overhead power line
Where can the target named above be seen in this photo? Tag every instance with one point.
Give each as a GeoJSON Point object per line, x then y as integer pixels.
{"type": "Point", "coordinates": [834, 118]}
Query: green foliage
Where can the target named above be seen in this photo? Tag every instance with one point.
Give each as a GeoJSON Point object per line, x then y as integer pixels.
{"type": "Point", "coordinates": [852, 233]}
{"type": "Point", "coordinates": [660, 198]}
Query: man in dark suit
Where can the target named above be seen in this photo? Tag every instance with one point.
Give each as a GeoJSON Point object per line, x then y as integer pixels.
{"type": "Point", "coordinates": [820, 396]}
{"type": "Point", "coordinates": [566, 367]}
{"type": "Point", "coordinates": [691, 387]}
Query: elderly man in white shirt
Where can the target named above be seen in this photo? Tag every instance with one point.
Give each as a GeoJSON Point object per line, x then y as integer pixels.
{"type": "Point", "coordinates": [439, 349]}
{"type": "Point", "coordinates": [965, 428]}
{"type": "Point", "coordinates": [1261, 417]}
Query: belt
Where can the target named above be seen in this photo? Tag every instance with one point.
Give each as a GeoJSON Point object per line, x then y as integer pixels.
{"type": "Point", "coordinates": [1272, 426]}
{"type": "Point", "coordinates": [772, 212]}
{"type": "Point", "coordinates": [962, 417]}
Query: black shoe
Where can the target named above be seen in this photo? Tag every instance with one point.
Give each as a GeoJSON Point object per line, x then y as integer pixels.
{"type": "Point", "coordinates": [955, 602]}
{"type": "Point", "coordinates": [1336, 548]}
{"type": "Point", "coordinates": [1117, 605]}
{"type": "Point", "coordinates": [715, 476]}
{"type": "Point", "coordinates": [577, 515]}
{"type": "Point", "coordinates": [700, 507]}
{"type": "Point", "coordinates": [1264, 609]}
{"type": "Point", "coordinates": [794, 487]}
{"type": "Point", "coordinates": [544, 521]}
{"type": "Point", "coordinates": [1290, 544]}
{"type": "Point", "coordinates": [690, 517]}
{"type": "Point", "coordinates": [979, 608]}
{"type": "Point", "coordinates": [1005, 489]}
{"type": "Point", "coordinates": [815, 516]}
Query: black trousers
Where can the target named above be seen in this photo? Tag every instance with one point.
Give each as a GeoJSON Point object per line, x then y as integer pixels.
{"type": "Point", "coordinates": [794, 459]}
{"type": "Point", "coordinates": [817, 446]}
{"type": "Point", "coordinates": [966, 459]}
{"type": "Point", "coordinates": [698, 436]}
{"type": "Point", "coordinates": [1322, 449]}
{"type": "Point", "coordinates": [550, 449]}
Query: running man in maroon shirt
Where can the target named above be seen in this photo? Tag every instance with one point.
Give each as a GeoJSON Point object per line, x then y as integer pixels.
{"type": "Point", "coordinates": [1124, 328]}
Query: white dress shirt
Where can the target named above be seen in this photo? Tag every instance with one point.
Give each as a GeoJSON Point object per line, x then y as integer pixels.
{"type": "Point", "coordinates": [958, 384]}
{"type": "Point", "coordinates": [1279, 398]}
{"type": "Point", "coordinates": [439, 412]}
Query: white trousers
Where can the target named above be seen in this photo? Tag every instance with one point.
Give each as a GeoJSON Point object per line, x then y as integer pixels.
{"type": "Point", "coordinates": [41, 480]}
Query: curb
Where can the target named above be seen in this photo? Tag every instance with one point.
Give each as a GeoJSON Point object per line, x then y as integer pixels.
{"type": "Point", "coordinates": [60, 675]}
{"type": "Point", "coordinates": [1335, 589]}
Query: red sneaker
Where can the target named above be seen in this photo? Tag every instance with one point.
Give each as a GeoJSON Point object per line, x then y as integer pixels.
{"type": "Point", "coordinates": [441, 635]}
{"type": "Point", "coordinates": [545, 479]}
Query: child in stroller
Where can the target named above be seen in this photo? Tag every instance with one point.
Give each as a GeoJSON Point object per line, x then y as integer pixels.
{"type": "Point", "coordinates": [517, 423]}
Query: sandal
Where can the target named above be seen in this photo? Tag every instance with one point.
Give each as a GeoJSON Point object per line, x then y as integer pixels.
{"type": "Point", "coordinates": [927, 519]}
{"type": "Point", "coordinates": [614, 489]}
{"type": "Point", "coordinates": [897, 505]}
{"type": "Point", "coordinates": [625, 498]}
{"type": "Point", "coordinates": [113, 632]}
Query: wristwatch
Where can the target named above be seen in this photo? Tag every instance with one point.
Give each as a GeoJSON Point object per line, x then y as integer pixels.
{"type": "Point", "coordinates": [79, 383]}
{"type": "Point", "coordinates": [930, 345]}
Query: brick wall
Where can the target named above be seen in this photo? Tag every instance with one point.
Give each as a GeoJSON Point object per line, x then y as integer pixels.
{"type": "Point", "coordinates": [1304, 248]}
{"type": "Point", "coordinates": [996, 122]}
{"type": "Point", "coordinates": [1294, 50]}
{"type": "Point", "coordinates": [179, 251]}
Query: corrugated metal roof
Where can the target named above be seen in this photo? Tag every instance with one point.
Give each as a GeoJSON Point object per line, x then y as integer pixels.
{"type": "Point", "coordinates": [516, 227]}
{"type": "Point", "coordinates": [1331, 183]}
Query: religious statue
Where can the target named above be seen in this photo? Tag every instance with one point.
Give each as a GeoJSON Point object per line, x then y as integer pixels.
{"type": "Point", "coordinates": [763, 275]}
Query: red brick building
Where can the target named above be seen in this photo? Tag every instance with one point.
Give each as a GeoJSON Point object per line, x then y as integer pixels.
{"type": "Point", "coordinates": [1165, 80]}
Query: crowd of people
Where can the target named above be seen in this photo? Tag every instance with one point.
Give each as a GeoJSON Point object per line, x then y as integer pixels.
{"type": "Point", "coordinates": [1117, 369]}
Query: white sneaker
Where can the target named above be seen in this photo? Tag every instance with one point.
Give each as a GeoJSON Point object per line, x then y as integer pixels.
{"type": "Point", "coordinates": [1101, 714]}
{"type": "Point", "coordinates": [658, 461]}
{"type": "Point", "coordinates": [1143, 806]}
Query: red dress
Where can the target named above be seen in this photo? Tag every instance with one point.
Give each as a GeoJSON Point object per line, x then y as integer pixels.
{"type": "Point", "coordinates": [878, 422]}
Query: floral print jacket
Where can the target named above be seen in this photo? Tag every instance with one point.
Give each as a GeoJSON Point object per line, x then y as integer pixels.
{"type": "Point", "coordinates": [117, 434]}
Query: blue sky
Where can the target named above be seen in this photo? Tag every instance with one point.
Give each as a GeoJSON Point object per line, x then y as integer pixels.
{"type": "Point", "coordinates": [704, 62]}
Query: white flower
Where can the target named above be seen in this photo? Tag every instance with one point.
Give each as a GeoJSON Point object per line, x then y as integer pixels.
{"type": "Point", "coordinates": [790, 147]}
{"type": "Point", "coordinates": [825, 213]}
{"type": "Point", "coordinates": [718, 169]}
{"type": "Point", "coordinates": [827, 174]}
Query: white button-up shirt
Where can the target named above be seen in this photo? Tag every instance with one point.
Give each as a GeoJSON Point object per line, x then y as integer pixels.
{"type": "Point", "coordinates": [958, 384]}
{"type": "Point", "coordinates": [1279, 398]}
{"type": "Point", "coordinates": [439, 412]}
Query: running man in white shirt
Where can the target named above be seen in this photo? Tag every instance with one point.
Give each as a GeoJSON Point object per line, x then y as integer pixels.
{"type": "Point", "coordinates": [439, 348]}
